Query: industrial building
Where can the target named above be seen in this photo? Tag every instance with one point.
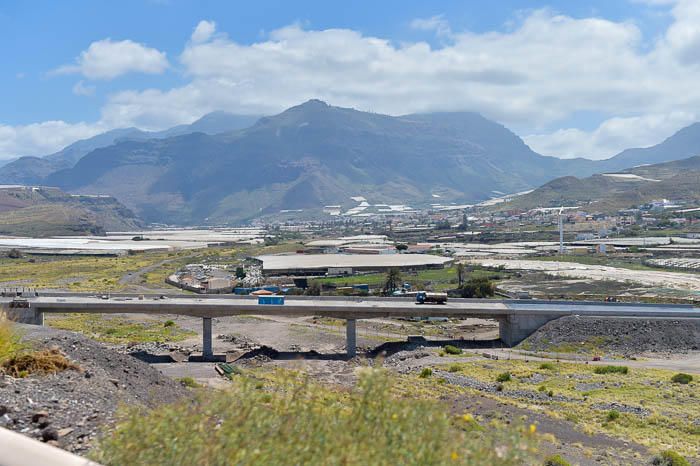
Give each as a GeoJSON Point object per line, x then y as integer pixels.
{"type": "Point", "coordinates": [347, 264]}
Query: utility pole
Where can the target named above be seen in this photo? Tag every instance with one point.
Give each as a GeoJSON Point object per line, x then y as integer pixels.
{"type": "Point", "coordinates": [561, 231]}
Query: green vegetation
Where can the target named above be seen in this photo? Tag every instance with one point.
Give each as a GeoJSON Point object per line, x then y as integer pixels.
{"type": "Point", "coordinates": [556, 460]}
{"type": "Point", "coordinates": [450, 349]}
{"type": "Point", "coordinates": [503, 377]}
{"type": "Point", "coordinates": [612, 415]}
{"type": "Point", "coordinates": [547, 366]}
{"type": "Point", "coordinates": [18, 360]}
{"type": "Point", "coordinates": [682, 378]}
{"type": "Point", "coordinates": [189, 382]}
{"type": "Point", "coordinates": [611, 370]}
{"type": "Point", "coordinates": [669, 458]}
{"type": "Point", "coordinates": [168, 323]}
{"type": "Point", "coordinates": [433, 279]}
{"type": "Point", "coordinates": [454, 368]}
{"type": "Point", "coordinates": [10, 344]}
{"type": "Point", "coordinates": [111, 329]}
{"type": "Point", "coordinates": [392, 280]}
{"type": "Point", "coordinates": [36, 362]}
{"type": "Point", "coordinates": [425, 373]}
{"type": "Point", "coordinates": [662, 412]}
{"type": "Point", "coordinates": [479, 287]}
{"type": "Point", "coordinates": [290, 421]}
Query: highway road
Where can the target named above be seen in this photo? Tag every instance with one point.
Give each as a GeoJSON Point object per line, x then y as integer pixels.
{"type": "Point", "coordinates": [517, 318]}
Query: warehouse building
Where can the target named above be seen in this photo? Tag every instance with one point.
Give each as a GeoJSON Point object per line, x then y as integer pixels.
{"type": "Point", "coordinates": [347, 264]}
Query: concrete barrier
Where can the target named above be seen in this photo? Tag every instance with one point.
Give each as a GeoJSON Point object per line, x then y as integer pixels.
{"type": "Point", "coordinates": [18, 450]}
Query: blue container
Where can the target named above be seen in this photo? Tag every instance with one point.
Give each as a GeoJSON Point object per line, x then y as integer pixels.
{"type": "Point", "coordinates": [274, 300]}
{"type": "Point", "coordinates": [362, 287]}
{"type": "Point", "coordinates": [242, 291]}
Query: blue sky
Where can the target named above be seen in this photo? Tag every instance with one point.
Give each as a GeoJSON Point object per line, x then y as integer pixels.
{"type": "Point", "coordinates": [141, 65]}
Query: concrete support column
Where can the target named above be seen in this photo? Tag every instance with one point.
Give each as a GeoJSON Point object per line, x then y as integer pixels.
{"type": "Point", "coordinates": [515, 328]}
{"type": "Point", "coordinates": [23, 315]}
{"type": "Point", "coordinates": [207, 351]}
{"type": "Point", "coordinates": [351, 337]}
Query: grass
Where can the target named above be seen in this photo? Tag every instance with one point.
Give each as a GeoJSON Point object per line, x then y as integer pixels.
{"type": "Point", "coordinates": [189, 382]}
{"type": "Point", "coordinates": [117, 330]}
{"type": "Point", "coordinates": [287, 420]}
{"type": "Point", "coordinates": [437, 279]}
{"type": "Point", "coordinates": [37, 362]}
{"type": "Point", "coordinates": [19, 360]}
{"type": "Point", "coordinates": [666, 421]}
{"type": "Point", "coordinates": [682, 378]}
{"type": "Point", "coordinates": [449, 349]}
{"type": "Point", "coordinates": [503, 377]}
{"type": "Point", "coordinates": [556, 460]}
{"type": "Point", "coordinates": [611, 370]}
{"type": "Point", "coordinates": [10, 344]}
{"type": "Point", "coordinates": [669, 458]}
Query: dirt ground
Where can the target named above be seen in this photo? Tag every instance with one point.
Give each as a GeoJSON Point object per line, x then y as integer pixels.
{"type": "Point", "coordinates": [317, 347]}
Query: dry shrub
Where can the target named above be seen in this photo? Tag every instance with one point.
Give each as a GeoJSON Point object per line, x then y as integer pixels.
{"type": "Point", "coordinates": [46, 361]}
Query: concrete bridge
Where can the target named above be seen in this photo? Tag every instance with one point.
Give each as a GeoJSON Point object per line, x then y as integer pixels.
{"type": "Point", "coordinates": [517, 318]}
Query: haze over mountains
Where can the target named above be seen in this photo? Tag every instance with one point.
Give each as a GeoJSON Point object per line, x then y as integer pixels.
{"type": "Point", "coordinates": [34, 170]}
{"type": "Point", "coordinates": [224, 168]}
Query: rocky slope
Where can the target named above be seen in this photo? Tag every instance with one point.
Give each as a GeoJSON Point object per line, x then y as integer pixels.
{"type": "Point", "coordinates": [72, 407]}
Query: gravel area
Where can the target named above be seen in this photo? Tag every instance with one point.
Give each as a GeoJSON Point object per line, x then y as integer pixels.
{"type": "Point", "coordinates": [72, 407]}
{"type": "Point", "coordinates": [617, 336]}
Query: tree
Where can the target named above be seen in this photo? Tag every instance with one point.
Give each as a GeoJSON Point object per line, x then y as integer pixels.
{"type": "Point", "coordinates": [460, 273]}
{"type": "Point", "coordinates": [401, 247]}
{"type": "Point", "coordinates": [14, 254]}
{"type": "Point", "coordinates": [392, 280]}
{"type": "Point", "coordinates": [465, 222]}
{"type": "Point", "coordinates": [240, 273]}
{"type": "Point", "coordinates": [480, 287]}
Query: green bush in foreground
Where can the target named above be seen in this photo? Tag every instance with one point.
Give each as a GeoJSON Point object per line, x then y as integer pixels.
{"type": "Point", "coordinates": [556, 460]}
{"type": "Point", "coordinates": [547, 366]}
{"type": "Point", "coordinates": [612, 415]}
{"type": "Point", "coordinates": [293, 422]}
{"type": "Point", "coordinates": [682, 378]}
{"type": "Point", "coordinates": [669, 458]}
{"type": "Point", "coordinates": [449, 349]}
{"type": "Point", "coordinates": [425, 373]}
{"type": "Point", "coordinates": [611, 370]}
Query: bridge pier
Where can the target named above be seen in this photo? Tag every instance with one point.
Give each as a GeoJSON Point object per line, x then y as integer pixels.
{"type": "Point", "coordinates": [23, 315]}
{"type": "Point", "coordinates": [351, 337]}
{"type": "Point", "coordinates": [207, 350]}
{"type": "Point", "coordinates": [515, 328]}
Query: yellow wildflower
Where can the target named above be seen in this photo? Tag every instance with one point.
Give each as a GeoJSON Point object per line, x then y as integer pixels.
{"type": "Point", "coordinates": [533, 428]}
{"type": "Point", "coordinates": [454, 456]}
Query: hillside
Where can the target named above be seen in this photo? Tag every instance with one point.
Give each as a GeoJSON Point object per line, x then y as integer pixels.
{"type": "Point", "coordinates": [311, 155]}
{"type": "Point", "coordinates": [50, 211]}
{"type": "Point", "coordinates": [35, 170]}
{"type": "Point", "coordinates": [614, 191]}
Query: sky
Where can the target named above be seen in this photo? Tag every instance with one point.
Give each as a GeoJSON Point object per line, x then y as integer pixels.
{"type": "Point", "coordinates": [573, 79]}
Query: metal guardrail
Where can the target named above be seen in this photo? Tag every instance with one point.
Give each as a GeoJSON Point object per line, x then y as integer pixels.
{"type": "Point", "coordinates": [19, 450]}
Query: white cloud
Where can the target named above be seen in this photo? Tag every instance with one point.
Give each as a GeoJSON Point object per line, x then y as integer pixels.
{"type": "Point", "coordinates": [80, 88]}
{"type": "Point", "coordinates": [436, 23]}
{"type": "Point", "coordinates": [611, 137]}
{"type": "Point", "coordinates": [108, 59]}
{"type": "Point", "coordinates": [42, 138]}
{"type": "Point", "coordinates": [535, 73]}
{"type": "Point", "coordinates": [203, 32]}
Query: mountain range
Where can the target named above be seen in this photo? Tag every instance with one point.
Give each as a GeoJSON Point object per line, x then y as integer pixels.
{"type": "Point", "coordinates": [679, 179]}
{"type": "Point", "coordinates": [31, 170]}
{"type": "Point", "coordinates": [312, 155]}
